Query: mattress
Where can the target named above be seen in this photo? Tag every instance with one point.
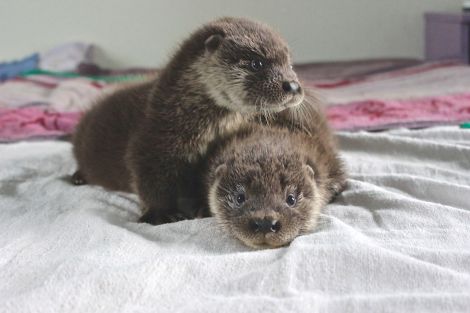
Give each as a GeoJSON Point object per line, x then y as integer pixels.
{"type": "Point", "coordinates": [397, 240]}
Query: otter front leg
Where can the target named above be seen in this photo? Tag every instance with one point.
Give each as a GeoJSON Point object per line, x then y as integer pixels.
{"type": "Point", "coordinates": [155, 182]}
{"type": "Point", "coordinates": [155, 216]}
{"type": "Point", "coordinates": [78, 178]}
{"type": "Point", "coordinates": [156, 175]}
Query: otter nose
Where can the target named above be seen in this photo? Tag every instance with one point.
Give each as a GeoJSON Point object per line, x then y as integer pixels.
{"type": "Point", "coordinates": [291, 86]}
{"type": "Point", "coordinates": [265, 226]}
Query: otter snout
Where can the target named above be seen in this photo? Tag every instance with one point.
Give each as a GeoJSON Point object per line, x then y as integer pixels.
{"type": "Point", "coordinates": [291, 87]}
{"type": "Point", "coordinates": [265, 225]}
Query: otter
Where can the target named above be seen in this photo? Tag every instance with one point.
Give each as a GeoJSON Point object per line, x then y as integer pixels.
{"type": "Point", "coordinates": [267, 185]}
{"type": "Point", "coordinates": [150, 138]}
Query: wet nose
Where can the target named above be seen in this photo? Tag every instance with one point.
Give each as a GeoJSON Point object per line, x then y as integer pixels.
{"type": "Point", "coordinates": [265, 225]}
{"type": "Point", "coordinates": [291, 86]}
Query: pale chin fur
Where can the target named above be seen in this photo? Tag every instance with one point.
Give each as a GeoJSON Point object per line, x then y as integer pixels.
{"type": "Point", "coordinates": [262, 246]}
{"type": "Point", "coordinates": [292, 103]}
{"type": "Point", "coordinates": [243, 108]}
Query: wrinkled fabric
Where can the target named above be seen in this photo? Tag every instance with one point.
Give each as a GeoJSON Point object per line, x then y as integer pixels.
{"type": "Point", "coordinates": [397, 240]}
{"type": "Point", "coordinates": [35, 122]}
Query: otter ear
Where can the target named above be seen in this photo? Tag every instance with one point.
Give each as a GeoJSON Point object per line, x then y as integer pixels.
{"type": "Point", "coordinates": [310, 171]}
{"type": "Point", "coordinates": [213, 42]}
{"type": "Point", "coordinates": [220, 170]}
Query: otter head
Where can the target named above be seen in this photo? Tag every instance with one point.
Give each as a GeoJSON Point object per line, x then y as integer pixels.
{"type": "Point", "coordinates": [246, 67]}
{"type": "Point", "coordinates": [263, 198]}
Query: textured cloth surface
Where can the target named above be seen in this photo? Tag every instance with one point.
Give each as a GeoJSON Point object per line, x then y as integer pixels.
{"type": "Point", "coordinates": [426, 95]}
{"type": "Point", "coordinates": [35, 122]}
{"type": "Point", "coordinates": [398, 240]}
{"type": "Point", "coordinates": [423, 95]}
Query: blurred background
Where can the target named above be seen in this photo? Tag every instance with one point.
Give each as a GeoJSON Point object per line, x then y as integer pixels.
{"type": "Point", "coordinates": [145, 32]}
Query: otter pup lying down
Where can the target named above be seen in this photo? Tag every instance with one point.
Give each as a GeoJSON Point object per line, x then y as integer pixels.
{"type": "Point", "coordinates": [267, 185]}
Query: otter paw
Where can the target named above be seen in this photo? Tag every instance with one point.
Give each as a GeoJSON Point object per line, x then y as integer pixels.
{"type": "Point", "coordinates": [77, 179]}
{"type": "Point", "coordinates": [150, 217]}
{"type": "Point", "coordinates": [176, 217]}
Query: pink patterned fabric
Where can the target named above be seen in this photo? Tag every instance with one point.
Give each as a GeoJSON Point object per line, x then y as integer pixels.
{"type": "Point", "coordinates": [377, 114]}
{"type": "Point", "coordinates": [420, 96]}
{"type": "Point", "coordinates": [32, 122]}
{"type": "Point", "coordinates": [45, 106]}
{"type": "Point", "coordinates": [424, 95]}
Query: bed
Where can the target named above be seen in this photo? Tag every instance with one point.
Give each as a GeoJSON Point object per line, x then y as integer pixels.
{"type": "Point", "coordinates": [397, 240]}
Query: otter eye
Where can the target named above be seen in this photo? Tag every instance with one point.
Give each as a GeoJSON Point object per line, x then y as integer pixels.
{"type": "Point", "coordinates": [240, 198]}
{"type": "Point", "coordinates": [291, 200]}
{"type": "Point", "coordinates": [256, 65]}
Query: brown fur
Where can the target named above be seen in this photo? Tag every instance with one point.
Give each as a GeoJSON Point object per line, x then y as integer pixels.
{"type": "Point", "coordinates": [265, 165]}
{"type": "Point", "coordinates": [150, 138]}
{"type": "Point", "coordinates": [101, 138]}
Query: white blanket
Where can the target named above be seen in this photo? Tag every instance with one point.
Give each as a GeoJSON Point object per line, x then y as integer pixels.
{"type": "Point", "coordinates": [398, 240]}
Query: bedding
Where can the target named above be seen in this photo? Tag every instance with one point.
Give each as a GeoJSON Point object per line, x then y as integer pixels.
{"type": "Point", "coordinates": [420, 96]}
{"type": "Point", "coordinates": [45, 95]}
{"type": "Point", "coordinates": [363, 95]}
{"type": "Point", "coordinates": [397, 240]}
